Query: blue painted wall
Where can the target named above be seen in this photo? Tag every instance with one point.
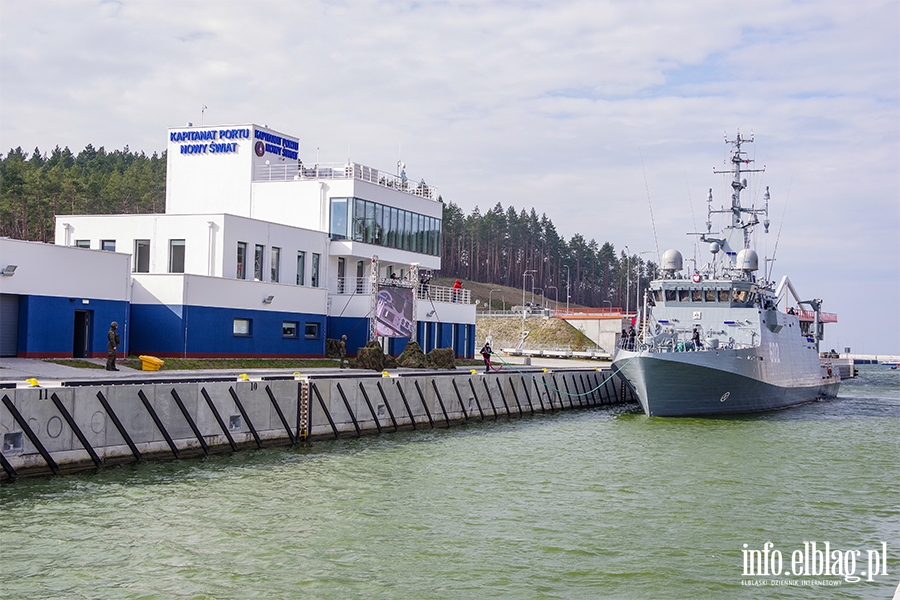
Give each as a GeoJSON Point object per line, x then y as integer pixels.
{"type": "Point", "coordinates": [209, 331]}
{"type": "Point", "coordinates": [47, 325]}
{"type": "Point", "coordinates": [355, 328]}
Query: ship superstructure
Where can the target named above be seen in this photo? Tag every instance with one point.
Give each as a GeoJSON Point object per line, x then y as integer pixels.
{"type": "Point", "coordinates": [721, 339]}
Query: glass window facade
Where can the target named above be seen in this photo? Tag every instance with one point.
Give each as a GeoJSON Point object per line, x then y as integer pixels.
{"type": "Point", "coordinates": [372, 223]}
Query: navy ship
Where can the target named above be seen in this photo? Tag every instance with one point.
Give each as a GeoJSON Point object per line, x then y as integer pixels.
{"type": "Point", "coordinates": [720, 338]}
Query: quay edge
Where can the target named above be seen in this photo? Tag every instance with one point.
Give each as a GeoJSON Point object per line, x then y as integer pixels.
{"type": "Point", "coordinates": [83, 425]}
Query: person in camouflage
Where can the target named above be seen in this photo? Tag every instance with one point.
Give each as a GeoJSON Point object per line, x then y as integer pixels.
{"type": "Point", "coordinates": [112, 346]}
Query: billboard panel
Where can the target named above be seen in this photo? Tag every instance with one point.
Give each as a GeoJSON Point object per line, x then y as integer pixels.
{"type": "Point", "coordinates": [393, 312]}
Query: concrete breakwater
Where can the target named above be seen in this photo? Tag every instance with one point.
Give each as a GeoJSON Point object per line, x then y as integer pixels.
{"type": "Point", "coordinates": [80, 425]}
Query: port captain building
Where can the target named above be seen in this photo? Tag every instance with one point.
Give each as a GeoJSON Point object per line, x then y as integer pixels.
{"type": "Point", "coordinates": [258, 253]}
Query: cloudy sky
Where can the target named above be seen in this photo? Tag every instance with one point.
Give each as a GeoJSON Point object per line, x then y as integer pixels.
{"type": "Point", "coordinates": [593, 112]}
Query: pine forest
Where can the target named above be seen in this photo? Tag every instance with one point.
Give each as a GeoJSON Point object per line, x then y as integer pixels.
{"type": "Point", "coordinates": [509, 247]}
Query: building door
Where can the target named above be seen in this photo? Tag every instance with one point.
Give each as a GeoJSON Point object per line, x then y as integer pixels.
{"type": "Point", "coordinates": [81, 347]}
{"type": "Point", "coordinates": [9, 324]}
{"type": "Point", "coordinates": [360, 273]}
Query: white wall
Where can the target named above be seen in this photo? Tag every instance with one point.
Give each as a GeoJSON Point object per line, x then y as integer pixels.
{"type": "Point", "coordinates": [49, 270]}
{"type": "Point", "coordinates": [296, 203]}
{"type": "Point", "coordinates": [226, 293]}
{"type": "Point", "coordinates": [210, 241]}
{"type": "Point", "coordinates": [210, 181]}
{"type": "Point", "coordinates": [289, 239]}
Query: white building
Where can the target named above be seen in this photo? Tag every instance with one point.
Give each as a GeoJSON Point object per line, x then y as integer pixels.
{"type": "Point", "coordinates": [57, 301]}
{"type": "Point", "coordinates": [259, 253]}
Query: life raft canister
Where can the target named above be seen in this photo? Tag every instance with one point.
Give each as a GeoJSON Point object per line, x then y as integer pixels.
{"type": "Point", "coordinates": [696, 278]}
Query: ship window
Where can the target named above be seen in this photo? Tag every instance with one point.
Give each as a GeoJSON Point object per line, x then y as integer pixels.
{"type": "Point", "coordinates": [670, 295]}
{"type": "Point", "coordinates": [696, 295]}
{"type": "Point", "coordinates": [739, 296]}
{"type": "Point", "coordinates": [710, 295]}
{"type": "Point", "coordinates": [684, 295]}
{"type": "Point", "coordinates": [723, 295]}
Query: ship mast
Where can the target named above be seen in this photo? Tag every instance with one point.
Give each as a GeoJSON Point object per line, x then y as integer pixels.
{"type": "Point", "coordinates": [738, 160]}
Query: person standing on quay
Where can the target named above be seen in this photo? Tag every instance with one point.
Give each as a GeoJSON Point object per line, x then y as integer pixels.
{"type": "Point", "coordinates": [486, 355]}
{"type": "Point", "coordinates": [343, 350]}
{"type": "Point", "coordinates": [112, 346]}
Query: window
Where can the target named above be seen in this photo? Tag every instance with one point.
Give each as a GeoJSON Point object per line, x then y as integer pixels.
{"type": "Point", "coordinates": [360, 274]}
{"type": "Point", "coordinates": [82, 243]}
{"type": "Point", "coordinates": [243, 327]}
{"type": "Point", "coordinates": [684, 295]}
{"type": "Point", "coordinates": [301, 268]}
{"type": "Point", "coordinates": [289, 329]}
{"type": "Point", "coordinates": [314, 279]}
{"type": "Point", "coordinates": [670, 295]}
{"type": "Point", "coordinates": [338, 228]}
{"type": "Point", "coordinates": [176, 256]}
{"type": "Point", "coordinates": [711, 295]}
{"type": "Point", "coordinates": [141, 256]}
{"type": "Point", "coordinates": [275, 265]}
{"type": "Point", "coordinates": [370, 222]}
{"type": "Point", "coordinates": [242, 260]}
{"type": "Point", "coordinates": [723, 295]}
{"type": "Point", "coordinates": [108, 245]}
{"type": "Point", "coordinates": [342, 267]}
{"type": "Point", "coordinates": [258, 258]}
{"type": "Point", "coordinates": [311, 331]}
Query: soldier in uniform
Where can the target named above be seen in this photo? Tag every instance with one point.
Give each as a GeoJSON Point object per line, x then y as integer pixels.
{"type": "Point", "coordinates": [112, 346]}
{"type": "Point", "coordinates": [343, 349]}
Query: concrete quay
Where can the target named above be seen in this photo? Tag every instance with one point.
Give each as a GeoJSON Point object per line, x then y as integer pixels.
{"type": "Point", "coordinates": [91, 419]}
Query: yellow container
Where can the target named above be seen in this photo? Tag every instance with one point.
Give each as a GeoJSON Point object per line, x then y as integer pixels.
{"type": "Point", "coordinates": [151, 363]}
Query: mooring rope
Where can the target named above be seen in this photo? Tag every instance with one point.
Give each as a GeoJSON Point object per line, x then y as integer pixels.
{"type": "Point", "coordinates": [616, 371]}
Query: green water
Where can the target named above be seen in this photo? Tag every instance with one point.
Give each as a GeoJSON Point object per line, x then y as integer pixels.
{"type": "Point", "coordinates": [585, 504]}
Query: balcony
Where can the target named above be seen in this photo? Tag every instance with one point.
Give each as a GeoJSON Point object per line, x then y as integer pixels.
{"type": "Point", "coordinates": [351, 170]}
{"type": "Point", "coordinates": [352, 286]}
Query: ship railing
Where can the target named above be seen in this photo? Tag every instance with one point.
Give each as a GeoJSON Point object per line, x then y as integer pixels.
{"type": "Point", "coordinates": [677, 345]}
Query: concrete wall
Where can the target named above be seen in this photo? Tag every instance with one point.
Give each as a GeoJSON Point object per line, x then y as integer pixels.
{"type": "Point", "coordinates": [75, 427]}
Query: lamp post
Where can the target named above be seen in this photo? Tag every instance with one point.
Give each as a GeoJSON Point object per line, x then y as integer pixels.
{"type": "Point", "coordinates": [528, 272]}
{"type": "Point", "coordinates": [555, 304]}
{"type": "Point", "coordinates": [491, 306]}
{"type": "Point", "coordinates": [627, 280]}
{"type": "Point", "coordinates": [567, 289]}
{"type": "Point", "coordinates": [610, 305]}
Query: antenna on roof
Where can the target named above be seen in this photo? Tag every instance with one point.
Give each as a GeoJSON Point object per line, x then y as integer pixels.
{"type": "Point", "coordinates": [203, 108]}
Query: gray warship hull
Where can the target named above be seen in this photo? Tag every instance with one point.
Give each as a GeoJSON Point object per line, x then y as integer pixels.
{"type": "Point", "coordinates": [723, 382]}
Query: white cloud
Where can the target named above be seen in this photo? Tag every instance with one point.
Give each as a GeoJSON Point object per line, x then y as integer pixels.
{"type": "Point", "coordinates": [577, 108]}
